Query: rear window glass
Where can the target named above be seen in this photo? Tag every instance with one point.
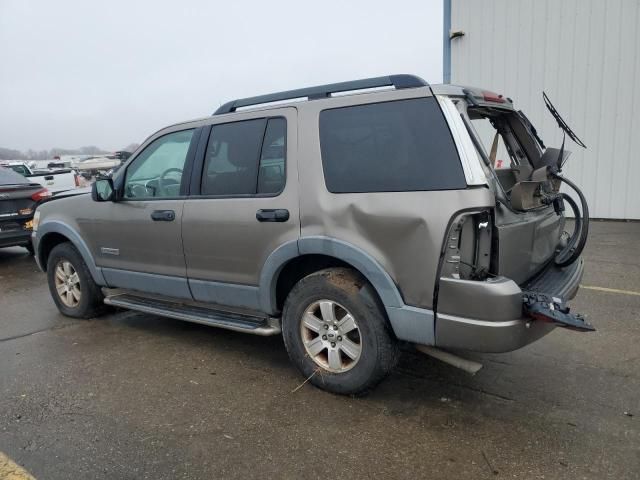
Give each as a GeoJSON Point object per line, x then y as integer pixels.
{"type": "Point", "coordinates": [9, 177]}
{"type": "Point", "coordinates": [395, 146]}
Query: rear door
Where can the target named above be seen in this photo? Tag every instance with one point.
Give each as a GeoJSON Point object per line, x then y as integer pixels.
{"type": "Point", "coordinates": [243, 205]}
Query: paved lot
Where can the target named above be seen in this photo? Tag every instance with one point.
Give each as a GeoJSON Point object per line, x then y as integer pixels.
{"type": "Point", "coordinates": [136, 396]}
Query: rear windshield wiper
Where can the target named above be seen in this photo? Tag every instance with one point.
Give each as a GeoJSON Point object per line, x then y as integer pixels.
{"type": "Point", "coordinates": [561, 123]}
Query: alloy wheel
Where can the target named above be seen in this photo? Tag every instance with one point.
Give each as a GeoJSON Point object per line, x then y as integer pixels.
{"type": "Point", "coordinates": [331, 336]}
{"type": "Point", "coordinates": [67, 284]}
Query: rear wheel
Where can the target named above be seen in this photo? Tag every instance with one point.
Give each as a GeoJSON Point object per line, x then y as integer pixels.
{"type": "Point", "coordinates": [71, 285]}
{"type": "Point", "coordinates": [335, 331]}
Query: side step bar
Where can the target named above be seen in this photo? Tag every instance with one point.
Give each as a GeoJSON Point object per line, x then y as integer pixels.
{"type": "Point", "coordinates": [263, 326]}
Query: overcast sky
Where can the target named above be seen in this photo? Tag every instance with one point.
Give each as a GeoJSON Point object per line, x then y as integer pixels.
{"type": "Point", "coordinates": [77, 72]}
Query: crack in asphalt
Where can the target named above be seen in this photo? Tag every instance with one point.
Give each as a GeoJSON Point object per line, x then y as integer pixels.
{"type": "Point", "coordinates": [28, 334]}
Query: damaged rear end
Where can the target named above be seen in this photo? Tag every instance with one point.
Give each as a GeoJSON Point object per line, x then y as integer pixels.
{"type": "Point", "coordinates": [506, 273]}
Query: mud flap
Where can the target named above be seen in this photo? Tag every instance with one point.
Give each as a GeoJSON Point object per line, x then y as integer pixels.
{"type": "Point", "coordinates": [554, 310]}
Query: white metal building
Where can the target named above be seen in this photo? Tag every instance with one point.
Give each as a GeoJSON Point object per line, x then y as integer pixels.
{"type": "Point", "coordinates": [586, 55]}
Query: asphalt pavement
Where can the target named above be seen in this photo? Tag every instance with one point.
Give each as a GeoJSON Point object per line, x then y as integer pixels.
{"type": "Point", "coordinates": [133, 396]}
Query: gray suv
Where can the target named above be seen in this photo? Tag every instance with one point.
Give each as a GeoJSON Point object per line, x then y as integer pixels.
{"type": "Point", "coordinates": [349, 217]}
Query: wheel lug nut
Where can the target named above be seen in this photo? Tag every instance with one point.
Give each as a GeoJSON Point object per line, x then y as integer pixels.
{"type": "Point", "coordinates": [326, 327]}
{"type": "Point", "coordinates": [339, 338]}
{"type": "Point", "coordinates": [333, 344]}
{"type": "Point", "coordinates": [324, 337]}
{"type": "Point", "coordinates": [335, 327]}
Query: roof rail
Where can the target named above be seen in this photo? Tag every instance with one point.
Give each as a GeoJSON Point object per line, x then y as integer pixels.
{"type": "Point", "coordinates": [324, 91]}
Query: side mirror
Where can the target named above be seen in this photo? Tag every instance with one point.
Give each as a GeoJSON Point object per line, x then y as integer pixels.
{"type": "Point", "coordinates": [102, 190]}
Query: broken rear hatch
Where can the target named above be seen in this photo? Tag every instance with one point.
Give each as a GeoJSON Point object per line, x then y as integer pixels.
{"type": "Point", "coordinates": [528, 224]}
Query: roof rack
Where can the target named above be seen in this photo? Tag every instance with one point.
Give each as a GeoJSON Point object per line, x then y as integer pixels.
{"type": "Point", "coordinates": [324, 91]}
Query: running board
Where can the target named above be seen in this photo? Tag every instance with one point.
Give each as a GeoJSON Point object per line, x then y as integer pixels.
{"type": "Point", "coordinates": [263, 326]}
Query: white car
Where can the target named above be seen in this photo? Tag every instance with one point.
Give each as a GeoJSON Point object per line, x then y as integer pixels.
{"type": "Point", "coordinates": [56, 181]}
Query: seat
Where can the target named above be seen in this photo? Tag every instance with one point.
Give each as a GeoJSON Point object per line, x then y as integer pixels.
{"type": "Point", "coordinates": [241, 181]}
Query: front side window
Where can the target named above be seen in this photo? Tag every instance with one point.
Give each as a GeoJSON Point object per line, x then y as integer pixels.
{"type": "Point", "coordinates": [157, 171]}
{"type": "Point", "coordinates": [245, 158]}
{"type": "Point", "coordinates": [397, 146]}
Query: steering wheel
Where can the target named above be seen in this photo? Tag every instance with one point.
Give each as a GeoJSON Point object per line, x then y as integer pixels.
{"type": "Point", "coordinates": [161, 179]}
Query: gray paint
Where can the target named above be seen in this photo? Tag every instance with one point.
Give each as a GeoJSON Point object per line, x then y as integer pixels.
{"type": "Point", "coordinates": [56, 226]}
{"type": "Point", "coordinates": [495, 299]}
{"type": "Point", "coordinates": [359, 259]}
{"type": "Point", "coordinates": [402, 231]}
{"type": "Point", "coordinates": [412, 324]}
{"type": "Point", "coordinates": [228, 294]}
{"type": "Point", "coordinates": [527, 241]}
{"type": "Point", "coordinates": [176, 287]}
{"type": "Point", "coordinates": [270, 272]}
{"type": "Point", "coordinates": [223, 241]}
{"type": "Point", "coordinates": [487, 336]}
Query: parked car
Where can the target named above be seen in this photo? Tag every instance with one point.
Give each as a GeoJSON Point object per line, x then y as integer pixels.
{"type": "Point", "coordinates": [55, 181]}
{"type": "Point", "coordinates": [348, 223]}
{"type": "Point", "coordinates": [96, 165]}
{"type": "Point", "coordinates": [19, 198]}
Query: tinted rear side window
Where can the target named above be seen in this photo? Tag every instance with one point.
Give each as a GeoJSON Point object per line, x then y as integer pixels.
{"type": "Point", "coordinates": [395, 146]}
{"type": "Point", "coordinates": [231, 163]}
{"type": "Point", "coordinates": [246, 158]}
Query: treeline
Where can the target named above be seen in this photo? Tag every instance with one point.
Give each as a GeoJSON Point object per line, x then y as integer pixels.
{"type": "Point", "coordinates": [10, 154]}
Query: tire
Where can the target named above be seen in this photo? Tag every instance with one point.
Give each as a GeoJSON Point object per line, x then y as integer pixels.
{"type": "Point", "coordinates": [90, 302]}
{"type": "Point", "coordinates": [29, 247]}
{"type": "Point", "coordinates": [337, 293]}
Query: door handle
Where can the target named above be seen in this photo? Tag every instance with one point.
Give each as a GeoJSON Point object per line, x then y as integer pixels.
{"type": "Point", "coordinates": [272, 215]}
{"type": "Point", "coordinates": [163, 215]}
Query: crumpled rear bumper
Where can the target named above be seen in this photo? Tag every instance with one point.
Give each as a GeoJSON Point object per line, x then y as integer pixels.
{"type": "Point", "coordinates": [488, 317]}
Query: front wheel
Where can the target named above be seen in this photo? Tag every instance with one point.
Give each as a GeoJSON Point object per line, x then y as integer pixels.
{"type": "Point", "coordinates": [335, 332]}
{"type": "Point", "coordinates": [71, 285]}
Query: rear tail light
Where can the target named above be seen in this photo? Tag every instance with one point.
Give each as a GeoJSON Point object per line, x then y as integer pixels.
{"type": "Point", "coordinates": [40, 195]}
{"type": "Point", "coordinates": [493, 97]}
{"type": "Point", "coordinates": [467, 250]}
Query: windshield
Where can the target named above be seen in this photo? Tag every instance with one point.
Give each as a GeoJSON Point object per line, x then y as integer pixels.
{"type": "Point", "coordinates": [21, 169]}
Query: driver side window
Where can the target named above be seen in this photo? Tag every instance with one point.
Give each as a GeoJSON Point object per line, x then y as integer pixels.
{"type": "Point", "coordinates": [157, 171]}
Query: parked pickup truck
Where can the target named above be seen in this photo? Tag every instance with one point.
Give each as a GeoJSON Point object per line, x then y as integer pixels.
{"type": "Point", "coordinates": [55, 181]}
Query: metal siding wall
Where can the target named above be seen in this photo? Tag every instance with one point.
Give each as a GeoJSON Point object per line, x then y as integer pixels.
{"type": "Point", "coordinates": [585, 55]}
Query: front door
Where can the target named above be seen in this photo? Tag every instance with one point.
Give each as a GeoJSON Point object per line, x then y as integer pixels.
{"type": "Point", "coordinates": [137, 240]}
{"type": "Point", "coordinates": [243, 205]}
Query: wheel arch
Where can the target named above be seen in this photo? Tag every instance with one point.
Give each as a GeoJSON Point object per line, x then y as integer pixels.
{"type": "Point", "coordinates": [408, 323]}
{"type": "Point", "coordinates": [53, 233]}
{"type": "Point", "coordinates": [324, 252]}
